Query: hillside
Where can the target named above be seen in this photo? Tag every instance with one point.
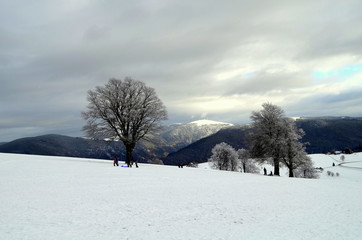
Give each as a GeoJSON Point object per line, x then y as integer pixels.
{"type": "Point", "coordinates": [184, 143]}
{"type": "Point", "coordinates": [59, 145]}
{"type": "Point", "coordinates": [176, 136]}
{"type": "Point", "coordinates": [90, 199]}
{"type": "Point", "coordinates": [327, 134]}
{"type": "Point", "coordinates": [170, 139]}
{"type": "Point", "coordinates": [201, 150]}
{"type": "Point", "coordinates": [321, 134]}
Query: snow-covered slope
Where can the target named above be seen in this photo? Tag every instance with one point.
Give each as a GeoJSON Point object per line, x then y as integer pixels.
{"type": "Point", "coordinates": [181, 135]}
{"type": "Point", "coordinates": [63, 198]}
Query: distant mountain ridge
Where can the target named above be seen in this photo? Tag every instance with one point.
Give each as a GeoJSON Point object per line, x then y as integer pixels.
{"type": "Point", "coordinates": [184, 143]}
{"type": "Point", "coordinates": [326, 134]}
{"type": "Point", "coordinates": [59, 145]}
{"type": "Point", "coordinates": [170, 139]}
{"type": "Point", "coordinates": [181, 135]}
{"type": "Point", "coordinates": [322, 135]}
{"type": "Point", "coordinates": [200, 150]}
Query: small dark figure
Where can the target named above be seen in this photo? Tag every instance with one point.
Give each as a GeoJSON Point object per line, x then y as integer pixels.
{"type": "Point", "coordinates": [265, 171]}
{"type": "Point", "coordinates": [115, 161]}
{"type": "Point", "coordinates": [271, 173]}
{"type": "Point", "coordinates": [333, 165]}
{"type": "Point", "coordinates": [130, 163]}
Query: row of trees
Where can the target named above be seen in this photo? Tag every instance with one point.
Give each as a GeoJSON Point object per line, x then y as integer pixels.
{"type": "Point", "coordinates": [275, 137]}
{"type": "Point", "coordinates": [225, 157]}
{"type": "Point", "coordinates": [272, 138]}
{"type": "Point", "coordinates": [128, 110]}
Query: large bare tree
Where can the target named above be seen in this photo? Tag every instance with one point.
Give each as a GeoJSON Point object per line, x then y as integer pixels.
{"type": "Point", "coordinates": [276, 137]}
{"type": "Point", "coordinates": [125, 110]}
{"type": "Point", "coordinates": [265, 139]}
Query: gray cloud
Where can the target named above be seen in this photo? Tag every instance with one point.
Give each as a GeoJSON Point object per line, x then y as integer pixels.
{"type": "Point", "coordinates": [214, 59]}
{"type": "Point", "coordinates": [263, 82]}
{"type": "Point", "coordinates": [345, 103]}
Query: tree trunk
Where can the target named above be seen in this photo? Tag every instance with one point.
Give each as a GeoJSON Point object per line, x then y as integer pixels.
{"type": "Point", "coordinates": [129, 158]}
{"type": "Point", "coordinates": [276, 167]}
{"type": "Point", "coordinates": [291, 173]}
{"type": "Point", "coordinates": [244, 167]}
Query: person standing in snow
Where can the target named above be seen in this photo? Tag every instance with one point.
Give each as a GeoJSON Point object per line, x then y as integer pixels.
{"type": "Point", "coordinates": [265, 171]}
{"type": "Point", "coordinates": [115, 161]}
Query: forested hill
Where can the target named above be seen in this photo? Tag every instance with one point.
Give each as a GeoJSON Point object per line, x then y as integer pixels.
{"type": "Point", "coordinates": [200, 151]}
{"type": "Point", "coordinates": [331, 133]}
{"type": "Point", "coordinates": [322, 135]}
{"type": "Point", "coordinates": [58, 145]}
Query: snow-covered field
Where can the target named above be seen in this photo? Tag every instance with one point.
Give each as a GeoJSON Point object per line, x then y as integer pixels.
{"type": "Point", "coordinates": [67, 198]}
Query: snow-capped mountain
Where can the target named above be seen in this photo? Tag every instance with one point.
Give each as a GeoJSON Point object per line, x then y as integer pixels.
{"type": "Point", "coordinates": [208, 123]}
{"type": "Point", "coordinates": [177, 136]}
{"type": "Point", "coordinates": [181, 135]}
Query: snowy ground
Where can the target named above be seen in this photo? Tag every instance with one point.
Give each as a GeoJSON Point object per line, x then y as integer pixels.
{"type": "Point", "coordinates": [63, 198]}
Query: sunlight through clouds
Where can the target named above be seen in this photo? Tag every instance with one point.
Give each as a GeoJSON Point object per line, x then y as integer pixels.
{"type": "Point", "coordinates": [343, 72]}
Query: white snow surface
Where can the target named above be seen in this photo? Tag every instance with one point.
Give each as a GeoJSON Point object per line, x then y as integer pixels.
{"type": "Point", "coordinates": [69, 198]}
{"type": "Point", "coordinates": [209, 122]}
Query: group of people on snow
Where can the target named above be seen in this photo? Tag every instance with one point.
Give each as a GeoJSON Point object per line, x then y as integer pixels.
{"type": "Point", "coordinates": [129, 164]}
{"type": "Point", "coordinates": [265, 172]}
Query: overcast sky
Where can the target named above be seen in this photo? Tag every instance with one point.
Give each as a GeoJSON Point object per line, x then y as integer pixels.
{"type": "Point", "coordinates": [216, 60]}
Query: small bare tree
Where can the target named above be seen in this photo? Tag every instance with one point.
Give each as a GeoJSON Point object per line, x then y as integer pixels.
{"type": "Point", "coordinates": [224, 157]}
{"type": "Point", "coordinates": [248, 165]}
{"type": "Point", "coordinates": [244, 157]}
{"type": "Point", "coordinates": [125, 110]}
{"type": "Point", "coordinates": [293, 151]}
{"type": "Point", "coordinates": [306, 170]}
